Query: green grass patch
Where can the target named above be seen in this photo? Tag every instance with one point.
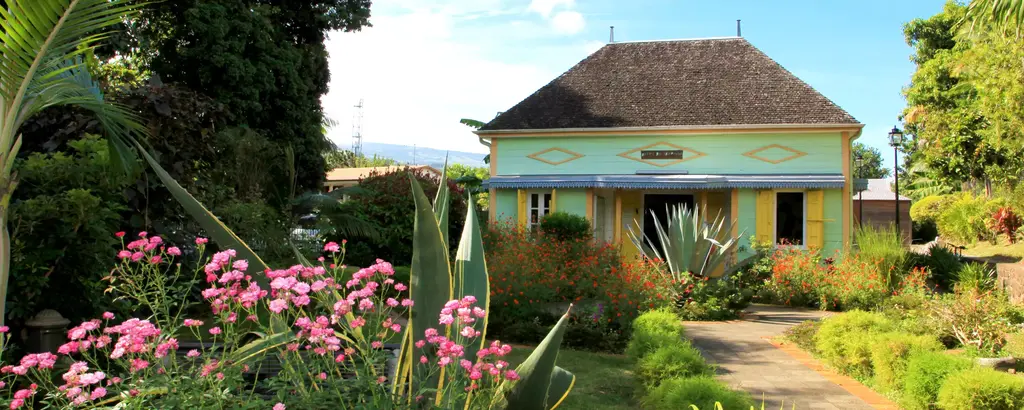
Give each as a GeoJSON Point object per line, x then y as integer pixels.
{"type": "Point", "coordinates": [603, 381]}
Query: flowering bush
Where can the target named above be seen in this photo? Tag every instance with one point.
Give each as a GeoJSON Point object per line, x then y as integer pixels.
{"type": "Point", "coordinates": [804, 278]}
{"type": "Point", "coordinates": [533, 274]}
{"type": "Point", "coordinates": [1007, 222]}
{"type": "Point", "coordinates": [328, 336]}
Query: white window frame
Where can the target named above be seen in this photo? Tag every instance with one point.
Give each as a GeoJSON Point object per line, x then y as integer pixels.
{"type": "Point", "coordinates": [541, 209]}
{"type": "Point", "coordinates": [775, 218]}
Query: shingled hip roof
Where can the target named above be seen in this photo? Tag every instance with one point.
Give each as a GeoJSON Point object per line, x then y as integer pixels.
{"type": "Point", "coordinates": [707, 82]}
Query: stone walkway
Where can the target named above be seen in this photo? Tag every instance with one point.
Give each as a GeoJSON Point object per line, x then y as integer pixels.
{"type": "Point", "coordinates": [747, 361]}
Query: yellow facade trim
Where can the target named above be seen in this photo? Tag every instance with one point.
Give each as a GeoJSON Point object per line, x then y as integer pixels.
{"type": "Point", "coordinates": [590, 204]}
{"type": "Point", "coordinates": [618, 217]}
{"type": "Point", "coordinates": [847, 191]}
{"type": "Point", "coordinates": [554, 201]}
{"type": "Point", "coordinates": [492, 205]}
{"type": "Point", "coordinates": [628, 154]}
{"type": "Point", "coordinates": [734, 216]}
{"type": "Point", "coordinates": [521, 215]}
{"type": "Point", "coordinates": [572, 156]}
{"type": "Point", "coordinates": [494, 158]}
{"type": "Point", "coordinates": [795, 154]}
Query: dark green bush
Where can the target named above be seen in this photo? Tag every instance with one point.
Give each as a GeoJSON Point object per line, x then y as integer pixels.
{"type": "Point", "coordinates": [652, 330]}
{"type": "Point", "coordinates": [669, 361]}
{"type": "Point", "coordinates": [803, 335]}
{"type": "Point", "coordinates": [982, 388]}
{"type": "Point", "coordinates": [926, 371]}
{"type": "Point", "coordinates": [890, 353]}
{"type": "Point", "coordinates": [62, 222]}
{"type": "Point", "coordinates": [844, 341]}
{"type": "Point", "coordinates": [565, 226]}
{"type": "Point", "coordinates": [386, 199]}
{"type": "Point", "coordinates": [975, 276]}
{"type": "Point", "coordinates": [703, 392]}
{"type": "Point", "coordinates": [943, 265]}
{"type": "Point", "coordinates": [715, 298]}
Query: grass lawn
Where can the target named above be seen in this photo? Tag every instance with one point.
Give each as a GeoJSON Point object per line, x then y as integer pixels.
{"type": "Point", "coordinates": [603, 381]}
{"type": "Point", "coordinates": [1002, 251]}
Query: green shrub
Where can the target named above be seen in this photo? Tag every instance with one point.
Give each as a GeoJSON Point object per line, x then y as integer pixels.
{"type": "Point", "coordinates": [977, 319]}
{"type": "Point", "coordinates": [670, 361]}
{"type": "Point", "coordinates": [652, 330]}
{"type": "Point", "coordinates": [943, 265]}
{"type": "Point", "coordinates": [884, 248]}
{"type": "Point", "coordinates": [982, 388]}
{"type": "Point", "coordinates": [929, 208]}
{"type": "Point", "coordinates": [926, 371]}
{"type": "Point", "coordinates": [890, 353]}
{"type": "Point", "coordinates": [714, 298]}
{"type": "Point", "coordinates": [803, 335]}
{"type": "Point", "coordinates": [844, 341]}
{"type": "Point", "coordinates": [565, 226]}
{"type": "Point", "coordinates": [964, 219]}
{"type": "Point", "coordinates": [703, 392]}
{"type": "Point", "coordinates": [1014, 345]}
{"type": "Point", "coordinates": [975, 276]}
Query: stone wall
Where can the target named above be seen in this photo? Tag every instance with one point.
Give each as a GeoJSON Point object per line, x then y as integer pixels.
{"type": "Point", "coordinates": [1011, 278]}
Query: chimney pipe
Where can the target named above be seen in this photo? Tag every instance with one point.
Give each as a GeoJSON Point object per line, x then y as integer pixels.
{"type": "Point", "coordinates": [611, 35]}
{"type": "Point", "coordinates": [738, 32]}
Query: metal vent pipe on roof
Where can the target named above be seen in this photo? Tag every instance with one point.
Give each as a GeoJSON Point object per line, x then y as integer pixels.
{"type": "Point", "coordinates": [738, 32]}
{"type": "Point", "coordinates": [611, 34]}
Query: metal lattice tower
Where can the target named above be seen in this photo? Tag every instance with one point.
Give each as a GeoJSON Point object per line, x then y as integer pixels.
{"type": "Point", "coordinates": [357, 129]}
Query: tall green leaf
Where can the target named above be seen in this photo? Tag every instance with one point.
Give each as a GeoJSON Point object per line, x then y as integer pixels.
{"type": "Point", "coordinates": [470, 276]}
{"type": "Point", "coordinates": [537, 372]}
{"type": "Point", "coordinates": [562, 382]}
{"type": "Point", "coordinates": [430, 284]}
{"type": "Point", "coordinates": [441, 203]}
{"type": "Point", "coordinates": [219, 232]}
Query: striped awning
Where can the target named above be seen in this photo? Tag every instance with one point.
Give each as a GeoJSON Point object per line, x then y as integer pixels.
{"type": "Point", "coordinates": [667, 181]}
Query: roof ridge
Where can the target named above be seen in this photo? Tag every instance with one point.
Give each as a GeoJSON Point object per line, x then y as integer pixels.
{"type": "Point", "coordinates": [672, 40]}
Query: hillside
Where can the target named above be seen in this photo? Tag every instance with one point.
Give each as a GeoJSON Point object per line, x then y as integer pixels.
{"type": "Point", "coordinates": [420, 155]}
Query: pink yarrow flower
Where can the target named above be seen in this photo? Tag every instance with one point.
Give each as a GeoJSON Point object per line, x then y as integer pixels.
{"type": "Point", "coordinates": [332, 247]}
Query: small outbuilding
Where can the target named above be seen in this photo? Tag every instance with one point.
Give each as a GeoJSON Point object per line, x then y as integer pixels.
{"type": "Point", "coordinates": [877, 206]}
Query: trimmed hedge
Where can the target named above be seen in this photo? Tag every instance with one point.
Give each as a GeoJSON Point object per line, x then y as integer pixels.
{"type": "Point", "coordinates": [652, 330]}
{"type": "Point", "coordinates": [703, 392]}
{"type": "Point", "coordinates": [669, 361]}
{"type": "Point", "coordinates": [982, 388]}
{"type": "Point", "coordinates": [926, 372]}
{"type": "Point", "coordinates": [844, 341]}
{"type": "Point", "coordinates": [890, 354]}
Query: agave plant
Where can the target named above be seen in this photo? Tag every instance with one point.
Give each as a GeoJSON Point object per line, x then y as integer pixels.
{"type": "Point", "coordinates": [434, 281]}
{"type": "Point", "coordinates": [689, 245]}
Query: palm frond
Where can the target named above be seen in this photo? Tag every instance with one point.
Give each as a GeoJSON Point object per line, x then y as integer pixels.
{"type": "Point", "coordinates": [472, 123]}
{"type": "Point", "coordinates": [1004, 13]}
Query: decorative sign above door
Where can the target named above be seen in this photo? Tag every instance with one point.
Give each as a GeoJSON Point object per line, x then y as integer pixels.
{"type": "Point", "coordinates": [662, 154]}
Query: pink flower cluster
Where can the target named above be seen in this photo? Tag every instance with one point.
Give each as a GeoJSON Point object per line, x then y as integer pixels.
{"type": "Point", "coordinates": [139, 248]}
{"type": "Point", "coordinates": [288, 288]}
{"type": "Point", "coordinates": [236, 287]}
{"type": "Point", "coordinates": [319, 334]}
{"type": "Point", "coordinates": [40, 360]}
{"type": "Point", "coordinates": [77, 384]}
{"type": "Point", "coordinates": [21, 395]}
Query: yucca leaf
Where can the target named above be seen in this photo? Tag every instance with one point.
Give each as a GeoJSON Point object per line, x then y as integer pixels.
{"type": "Point", "coordinates": [470, 275]}
{"type": "Point", "coordinates": [260, 347]}
{"type": "Point", "coordinates": [442, 202]}
{"type": "Point", "coordinates": [532, 389]}
{"type": "Point", "coordinates": [562, 382]}
{"type": "Point", "coordinates": [219, 232]}
{"type": "Point", "coordinates": [430, 282]}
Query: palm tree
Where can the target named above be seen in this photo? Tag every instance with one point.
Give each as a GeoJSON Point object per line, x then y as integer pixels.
{"type": "Point", "coordinates": [1004, 13]}
{"type": "Point", "coordinates": [42, 66]}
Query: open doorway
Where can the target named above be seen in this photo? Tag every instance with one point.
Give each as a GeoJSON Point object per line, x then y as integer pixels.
{"type": "Point", "coordinates": [659, 204]}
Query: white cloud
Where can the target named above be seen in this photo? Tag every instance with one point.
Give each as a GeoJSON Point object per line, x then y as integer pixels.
{"type": "Point", "coordinates": [418, 77]}
{"type": "Point", "coordinates": [568, 22]}
{"type": "Point", "coordinates": [545, 7]}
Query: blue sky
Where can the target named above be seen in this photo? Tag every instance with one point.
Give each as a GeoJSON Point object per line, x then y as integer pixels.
{"type": "Point", "coordinates": [427, 63]}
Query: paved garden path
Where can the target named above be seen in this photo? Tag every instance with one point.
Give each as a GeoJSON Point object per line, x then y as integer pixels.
{"type": "Point", "coordinates": [746, 360]}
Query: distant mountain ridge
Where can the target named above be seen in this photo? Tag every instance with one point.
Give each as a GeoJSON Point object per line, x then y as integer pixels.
{"type": "Point", "coordinates": [408, 154]}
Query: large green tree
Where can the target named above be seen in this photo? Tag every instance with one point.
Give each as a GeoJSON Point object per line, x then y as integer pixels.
{"type": "Point", "coordinates": [869, 162]}
{"type": "Point", "coordinates": [264, 60]}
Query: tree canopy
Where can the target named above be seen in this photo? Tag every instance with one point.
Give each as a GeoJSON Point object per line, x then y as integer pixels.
{"type": "Point", "coordinates": [870, 162]}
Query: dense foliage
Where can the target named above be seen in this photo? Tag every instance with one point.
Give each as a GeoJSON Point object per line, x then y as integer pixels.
{"type": "Point", "coordinates": [565, 226]}
{"type": "Point", "coordinates": [868, 162]}
{"type": "Point", "coordinates": [386, 199]}
{"type": "Point", "coordinates": [62, 231]}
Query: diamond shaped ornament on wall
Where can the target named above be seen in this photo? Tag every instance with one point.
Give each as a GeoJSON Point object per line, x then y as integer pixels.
{"type": "Point", "coordinates": [555, 156]}
{"type": "Point", "coordinates": [674, 154]}
{"type": "Point", "coordinates": [774, 154]}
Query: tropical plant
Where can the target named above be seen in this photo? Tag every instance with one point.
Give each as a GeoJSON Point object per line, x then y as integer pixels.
{"type": "Point", "coordinates": [1004, 13]}
{"type": "Point", "coordinates": [691, 244]}
{"type": "Point", "coordinates": [42, 66]}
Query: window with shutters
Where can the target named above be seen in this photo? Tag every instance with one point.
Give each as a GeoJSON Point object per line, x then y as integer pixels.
{"type": "Point", "coordinates": [790, 218]}
{"type": "Point", "coordinates": [539, 205]}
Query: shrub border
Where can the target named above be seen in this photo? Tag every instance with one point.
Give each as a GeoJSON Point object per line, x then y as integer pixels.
{"type": "Point", "coordinates": [852, 386]}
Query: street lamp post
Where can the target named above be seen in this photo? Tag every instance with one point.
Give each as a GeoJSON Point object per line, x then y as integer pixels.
{"type": "Point", "coordinates": [860, 192]}
{"type": "Point", "coordinates": [896, 140]}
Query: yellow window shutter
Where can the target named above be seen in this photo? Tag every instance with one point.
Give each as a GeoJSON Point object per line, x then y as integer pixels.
{"type": "Point", "coordinates": [554, 200]}
{"type": "Point", "coordinates": [816, 219]}
{"type": "Point", "coordinates": [764, 217]}
{"type": "Point", "coordinates": [522, 208]}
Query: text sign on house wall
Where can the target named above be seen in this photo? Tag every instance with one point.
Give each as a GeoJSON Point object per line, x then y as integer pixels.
{"type": "Point", "coordinates": [662, 154]}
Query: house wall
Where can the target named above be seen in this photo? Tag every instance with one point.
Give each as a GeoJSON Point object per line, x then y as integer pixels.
{"type": "Point", "coordinates": [722, 154]}
{"type": "Point", "coordinates": [573, 201]}
{"type": "Point", "coordinates": [506, 205]}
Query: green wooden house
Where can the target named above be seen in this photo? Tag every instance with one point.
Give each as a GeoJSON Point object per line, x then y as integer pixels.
{"type": "Point", "coordinates": [709, 122]}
